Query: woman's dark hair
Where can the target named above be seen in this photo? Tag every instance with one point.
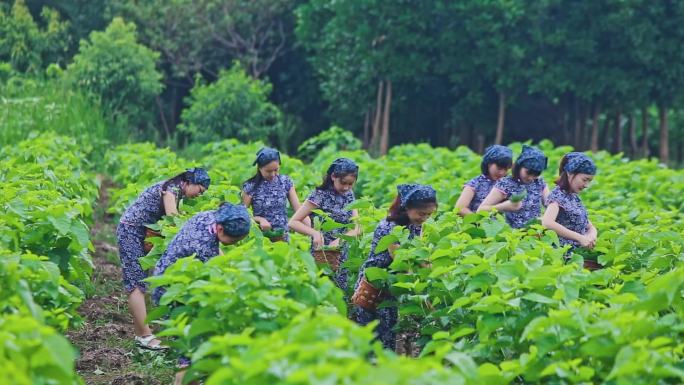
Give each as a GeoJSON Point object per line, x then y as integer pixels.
{"type": "Point", "coordinates": [327, 183]}
{"type": "Point", "coordinates": [258, 178]}
{"type": "Point", "coordinates": [195, 175]}
{"type": "Point", "coordinates": [563, 182]}
{"type": "Point", "coordinates": [501, 163]}
{"type": "Point", "coordinates": [399, 215]}
{"type": "Point", "coordinates": [516, 171]}
{"type": "Point", "coordinates": [185, 176]}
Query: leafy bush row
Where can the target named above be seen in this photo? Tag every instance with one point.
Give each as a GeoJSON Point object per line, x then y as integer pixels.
{"type": "Point", "coordinates": [47, 195]}
{"type": "Point", "coordinates": [496, 305]}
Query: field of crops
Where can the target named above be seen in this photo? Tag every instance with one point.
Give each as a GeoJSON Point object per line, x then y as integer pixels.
{"type": "Point", "coordinates": [46, 195]}
{"type": "Point", "coordinates": [496, 305]}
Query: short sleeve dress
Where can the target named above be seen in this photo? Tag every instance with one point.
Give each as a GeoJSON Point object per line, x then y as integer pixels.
{"type": "Point", "coordinates": [333, 204]}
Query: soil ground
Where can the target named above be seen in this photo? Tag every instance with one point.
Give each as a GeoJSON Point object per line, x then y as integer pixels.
{"type": "Point", "coordinates": [108, 354]}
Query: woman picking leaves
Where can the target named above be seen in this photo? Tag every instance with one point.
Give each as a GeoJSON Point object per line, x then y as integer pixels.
{"type": "Point", "coordinates": [268, 192]}
{"type": "Point", "coordinates": [565, 214]}
{"type": "Point", "coordinates": [158, 200]}
{"type": "Point", "coordinates": [496, 162]}
{"type": "Point", "coordinates": [200, 236]}
{"type": "Point", "coordinates": [414, 204]}
{"type": "Point", "coordinates": [332, 197]}
{"type": "Point", "coordinates": [521, 195]}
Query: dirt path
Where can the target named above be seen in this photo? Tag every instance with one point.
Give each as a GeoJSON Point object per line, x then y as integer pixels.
{"type": "Point", "coordinates": [108, 353]}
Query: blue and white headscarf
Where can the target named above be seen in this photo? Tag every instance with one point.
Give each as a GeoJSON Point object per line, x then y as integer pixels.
{"type": "Point", "coordinates": [415, 193]}
{"type": "Point", "coordinates": [199, 176]}
{"type": "Point", "coordinates": [532, 159]}
{"type": "Point", "coordinates": [497, 153]}
{"type": "Point", "coordinates": [234, 219]}
{"type": "Point", "coordinates": [343, 166]}
{"type": "Point", "coordinates": [579, 163]}
{"type": "Point", "coordinates": [265, 156]}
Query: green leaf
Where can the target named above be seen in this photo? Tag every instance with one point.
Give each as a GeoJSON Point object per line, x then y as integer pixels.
{"type": "Point", "coordinates": [376, 274]}
{"type": "Point", "coordinates": [359, 204]}
{"type": "Point", "coordinates": [61, 223]}
{"type": "Point", "coordinates": [385, 242]}
{"type": "Point", "coordinates": [535, 297]}
{"type": "Point", "coordinates": [493, 227]}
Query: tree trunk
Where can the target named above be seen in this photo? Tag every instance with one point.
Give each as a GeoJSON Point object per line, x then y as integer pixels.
{"type": "Point", "coordinates": [633, 146]}
{"type": "Point", "coordinates": [644, 129]}
{"type": "Point", "coordinates": [179, 93]}
{"type": "Point", "coordinates": [664, 135]}
{"type": "Point", "coordinates": [565, 134]}
{"type": "Point", "coordinates": [584, 116]}
{"type": "Point", "coordinates": [480, 143]}
{"type": "Point", "coordinates": [501, 118]}
{"type": "Point", "coordinates": [367, 128]}
{"type": "Point", "coordinates": [384, 137]}
{"type": "Point", "coordinates": [160, 107]}
{"type": "Point", "coordinates": [617, 142]}
{"type": "Point", "coordinates": [577, 134]}
{"type": "Point", "coordinates": [606, 139]}
{"type": "Point", "coordinates": [595, 128]}
{"type": "Point", "coordinates": [465, 134]}
{"type": "Point", "coordinates": [375, 137]}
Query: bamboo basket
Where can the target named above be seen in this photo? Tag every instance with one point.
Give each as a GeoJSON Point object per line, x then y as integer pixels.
{"type": "Point", "coordinates": [330, 257]}
{"type": "Point", "coordinates": [367, 296]}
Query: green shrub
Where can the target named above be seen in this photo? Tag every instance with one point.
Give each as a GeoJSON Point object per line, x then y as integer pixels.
{"type": "Point", "coordinates": [336, 138]}
{"type": "Point", "coordinates": [114, 68]}
{"type": "Point", "coordinates": [235, 106]}
{"type": "Point", "coordinates": [25, 45]}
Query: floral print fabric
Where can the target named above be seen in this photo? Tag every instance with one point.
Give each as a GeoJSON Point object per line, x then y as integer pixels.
{"type": "Point", "coordinates": [481, 185]}
{"type": "Point", "coordinates": [148, 208]}
{"type": "Point", "coordinates": [269, 200]}
{"type": "Point", "coordinates": [387, 316]}
{"type": "Point", "coordinates": [333, 204]}
{"type": "Point", "coordinates": [571, 214]}
{"type": "Point", "coordinates": [198, 237]}
{"type": "Point", "coordinates": [130, 233]}
{"type": "Point", "coordinates": [130, 240]}
{"type": "Point", "coordinates": [531, 205]}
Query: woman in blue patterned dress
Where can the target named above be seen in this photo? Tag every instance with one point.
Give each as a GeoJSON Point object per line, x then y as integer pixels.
{"type": "Point", "coordinates": [200, 236]}
{"type": "Point", "coordinates": [525, 182]}
{"type": "Point", "coordinates": [565, 214]}
{"type": "Point", "coordinates": [496, 162]}
{"type": "Point", "coordinates": [268, 192]}
{"type": "Point", "coordinates": [413, 206]}
{"type": "Point", "coordinates": [332, 196]}
{"type": "Point", "coordinates": [158, 200]}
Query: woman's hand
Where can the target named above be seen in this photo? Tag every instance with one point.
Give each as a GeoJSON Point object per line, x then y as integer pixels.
{"type": "Point", "coordinates": [265, 225]}
{"type": "Point", "coordinates": [335, 243]}
{"type": "Point", "coordinates": [586, 242]}
{"type": "Point", "coordinates": [509, 206]}
{"type": "Point", "coordinates": [318, 240]}
{"type": "Point", "coordinates": [515, 206]}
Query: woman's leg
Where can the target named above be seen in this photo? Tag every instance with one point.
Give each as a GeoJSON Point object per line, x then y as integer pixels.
{"type": "Point", "coordinates": [130, 242]}
{"type": "Point", "coordinates": [385, 329]}
{"type": "Point", "coordinates": [138, 309]}
{"type": "Point", "coordinates": [341, 276]}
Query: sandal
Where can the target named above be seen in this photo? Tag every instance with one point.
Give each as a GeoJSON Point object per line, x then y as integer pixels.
{"type": "Point", "coordinates": [145, 342]}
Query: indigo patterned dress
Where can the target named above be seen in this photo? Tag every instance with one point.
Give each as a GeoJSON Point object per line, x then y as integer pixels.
{"type": "Point", "coordinates": [269, 200]}
{"type": "Point", "coordinates": [571, 214]}
{"type": "Point", "coordinates": [198, 237]}
{"type": "Point", "coordinates": [481, 185]}
{"type": "Point", "coordinates": [147, 209]}
{"type": "Point", "coordinates": [333, 204]}
{"type": "Point", "coordinates": [531, 205]}
{"type": "Point", "coordinates": [388, 316]}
